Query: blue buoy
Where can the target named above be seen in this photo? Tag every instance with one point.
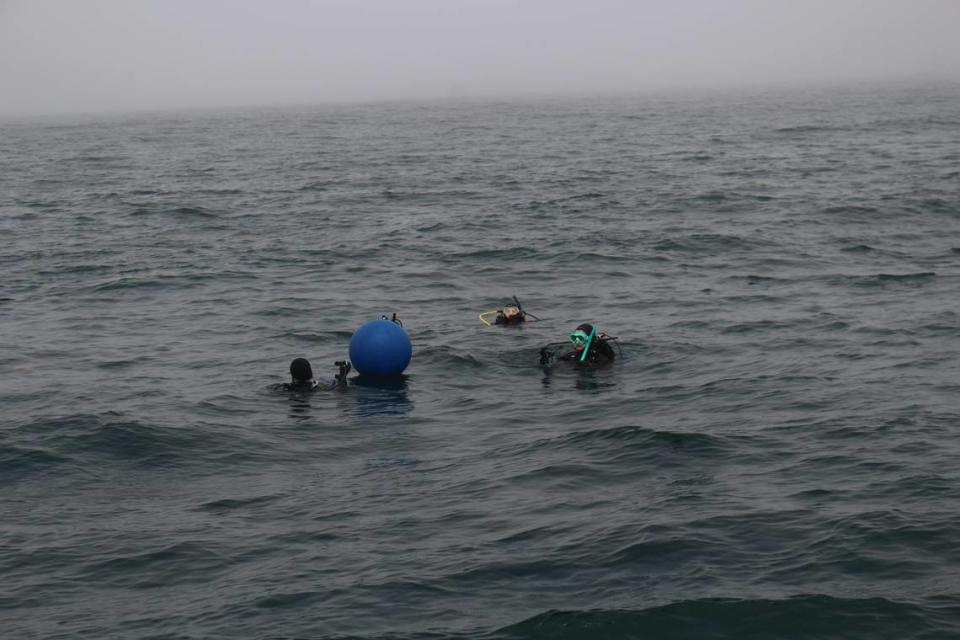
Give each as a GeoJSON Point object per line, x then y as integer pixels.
{"type": "Point", "coordinates": [380, 348]}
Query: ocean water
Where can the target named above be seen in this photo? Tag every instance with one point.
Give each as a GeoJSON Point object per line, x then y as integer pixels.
{"type": "Point", "coordinates": [775, 455]}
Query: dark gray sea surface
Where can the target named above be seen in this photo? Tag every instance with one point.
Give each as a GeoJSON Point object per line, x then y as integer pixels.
{"type": "Point", "coordinates": [776, 454]}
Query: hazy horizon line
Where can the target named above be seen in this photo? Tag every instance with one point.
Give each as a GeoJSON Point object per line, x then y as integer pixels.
{"type": "Point", "coordinates": [451, 97]}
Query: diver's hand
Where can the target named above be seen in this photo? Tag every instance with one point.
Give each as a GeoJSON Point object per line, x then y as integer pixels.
{"type": "Point", "coordinates": [344, 370]}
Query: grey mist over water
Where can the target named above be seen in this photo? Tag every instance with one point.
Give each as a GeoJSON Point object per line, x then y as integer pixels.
{"type": "Point", "coordinates": [60, 56]}
{"type": "Point", "coordinates": [774, 455]}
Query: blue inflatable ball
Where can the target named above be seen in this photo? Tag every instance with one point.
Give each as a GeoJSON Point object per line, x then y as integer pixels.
{"type": "Point", "coordinates": [380, 348]}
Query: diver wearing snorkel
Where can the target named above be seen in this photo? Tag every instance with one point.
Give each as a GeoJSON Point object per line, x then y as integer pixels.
{"type": "Point", "coordinates": [510, 314]}
{"type": "Point", "coordinates": [590, 348]}
{"type": "Point", "coordinates": [301, 377]}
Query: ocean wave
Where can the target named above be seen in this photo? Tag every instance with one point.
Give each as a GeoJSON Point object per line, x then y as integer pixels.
{"type": "Point", "coordinates": [97, 159]}
{"type": "Point", "coordinates": [227, 505]}
{"type": "Point", "coordinates": [762, 326]}
{"type": "Point", "coordinates": [710, 243]}
{"type": "Point", "coordinates": [180, 563]}
{"type": "Point", "coordinates": [755, 279]}
{"type": "Point", "coordinates": [813, 616]}
{"type": "Point", "coordinates": [859, 248]}
{"type": "Point", "coordinates": [808, 128]}
{"type": "Point", "coordinates": [629, 441]}
{"type": "Point", "coordinates": [166, 281]}
{"type": "Point", "coordinates": [851, 210]}
{"type": "Point", "coordinates": [181, 212]}
{"type": "Point", "coordinates": [451, 358]}
{"type": "Point", "coordinates": [19, 463]}
{"type": "Point", "coordinates": [496, 255]}
{"type": "Point", "coordinates": [888, 279]}
{"type": "Point", "coordinates": [90, 439]}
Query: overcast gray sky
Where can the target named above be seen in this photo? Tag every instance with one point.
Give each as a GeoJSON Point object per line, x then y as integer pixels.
{"type": "Point", "coordinates": [92, 55]}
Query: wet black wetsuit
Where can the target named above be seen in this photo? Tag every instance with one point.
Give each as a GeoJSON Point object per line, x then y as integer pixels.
{"type": "Point", "coordinates": [600, 353]}
{"type": "Point", "coordinates": [306, 386]}
{"type": "Point", "coordinates": [520, 318]}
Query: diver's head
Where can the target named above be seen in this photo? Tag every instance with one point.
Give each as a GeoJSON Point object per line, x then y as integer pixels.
{"type": "Point", "coordinates": [511, 312]}
{"type": "Point", "coordinates": [581, 336]}
{"type": "Point", "coordinates": [300, 370]}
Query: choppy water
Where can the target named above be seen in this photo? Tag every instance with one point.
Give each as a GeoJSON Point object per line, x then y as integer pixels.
{"type": "Point", "coordinates": [775, 456]}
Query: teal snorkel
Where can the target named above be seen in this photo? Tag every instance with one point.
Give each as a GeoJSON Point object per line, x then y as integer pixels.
{"type": "Point", "coordinates": [586, 349]}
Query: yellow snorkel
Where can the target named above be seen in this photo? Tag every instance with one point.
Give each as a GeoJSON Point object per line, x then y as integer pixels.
{"type": "Point", "coordinates": [483, 315]}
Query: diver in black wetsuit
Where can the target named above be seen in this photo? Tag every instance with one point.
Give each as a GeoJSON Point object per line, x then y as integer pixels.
{"type": "Point", "coordinates": [510, 314]}
{"type": "Point", "coordinates": [301, 377]}
{"type": "Point", "coordinates": [584, 338]}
